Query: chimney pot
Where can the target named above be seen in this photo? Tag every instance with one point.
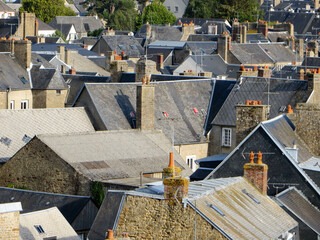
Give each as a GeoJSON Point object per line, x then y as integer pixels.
{"type": "Point", "coordinates": [251, 157]}
{"type": "Point", "coordinates": [171, 163]}
{"type": "Point", "coordinates": [110, 234]}
{"type": "Point", "coordinates": [259, 158]}
{"type": "Point", "coordinates": [290, 109]}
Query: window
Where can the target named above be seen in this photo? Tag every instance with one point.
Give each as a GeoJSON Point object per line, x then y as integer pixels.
{"type": "Point", "coordinates": [12, 104]}
{"type": "Point", "coordinates": [24, 104]}
{"type": "Point", "coordinates": [190, 161]}
{"type": "Point", "coordinates": [39, 228]}
{"type": "Point", "coordinates": [168, 8]}
{"type": "Point", "coordinates": [226, 137]}
{"type": "Point", "coordinates": [58, 92]}
{"type": "Point", "coordinates": [176, 9]}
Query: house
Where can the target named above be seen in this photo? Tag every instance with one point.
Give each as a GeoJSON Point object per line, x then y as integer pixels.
{"type": "Point", "coordinates": [175, 107]}
{"type": "Point", "coordinates": [177, 7]}
{"type": "Point", "coordinates": [82, 25]}
{"type": "Point", "coordinates": [128, 46]}
{"type": "Point", "coordinates": [299, 208]}
{"type": "Point", "coordinates": [79, 211]}
{"type": "Point", "coordinates": [19, 127]}
{"type": "Point", "coordinates": [44, 29]}
{"type": "Point", "coordinates": [275, 95]}
{"type": "Point", "coordinates": [70, 163]}
{"type": "Point", "coordinates": [287, 155]}
{"type": "Point", "coordinates": [225, 208]}
{"type": "Point", "coordinates": [49, 89]}
{"type": "Point", "coordinates": [46, 224]}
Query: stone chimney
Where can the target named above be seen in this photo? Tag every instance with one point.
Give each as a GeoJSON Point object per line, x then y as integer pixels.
{"type": "Point", "coordinates": [28, 24]}
{"type": "Point", "coordinates": [300, 47]}
{"type": "Point", "coordinates": [20, 48]}
{"type": "Point", "coordinates": [257, 173]}
{"type": "Point", "coordinates": [264, 72]}
{"type": "Point", "coordinates": [175, 187]}
{"type": "Point", "coordinates": [313, 46]}
{"type": "Point", "coordinates": [148, 30]}
{"type": "Point", "coordinates": [239, 32]}
{"type": "Point", "coordinates": [316, 4]}
{"type": "Point", "coordinates": [144, 68]}
{"type": "Point", "coordinates": [117, 68]}
{"type": "Point", "coordinates": [67, 59]}
{"type": "Point", "coordinates": [301, 74]}
{"type": "Point", "coordinates": [263, 28]}
{"type": "Point", "coordinates": [247, 72]}
{"type": "Point", "coordinates": [248, 116]}
{"type": "Point", "coordinates": [145, 106]}
{"type": "Point", "coordinates": [187, 29]}
{"type": "Point", "coordinates": [61, 51]}
{"type": "Point", "coordinates": [224, 45]}
{"type": "Point", "coordinates": [160, 62]}
{"type": "Point", "coordinates": [171, 170]}
{"type": "Point", "coordinates": [276, 3]}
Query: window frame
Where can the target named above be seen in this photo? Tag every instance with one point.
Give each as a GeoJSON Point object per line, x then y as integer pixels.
{"type": "Point", "coordinates": [190, 160]}
{"type": "Point", "coordinates": [224, 141]}
{"type": "Point", "coordinates": [12, 104]}
{"type": "Point", "coordinates": [26, 102]}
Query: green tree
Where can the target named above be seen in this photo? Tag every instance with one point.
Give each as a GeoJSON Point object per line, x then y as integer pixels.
{"type": "Point", "coordinates": [156, 14]}
{"type": "Point", "coordinates": [97, 191]}
{"type": "Point", "coordinates": [46, 10]}
{"type": "Point", "coordinates": [227, 9]}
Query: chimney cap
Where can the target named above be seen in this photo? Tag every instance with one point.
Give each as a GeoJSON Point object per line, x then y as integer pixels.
{"type": "Point", "coordinates": [259, 158]}
{"type": "Point", "coordinates": [251, 157]}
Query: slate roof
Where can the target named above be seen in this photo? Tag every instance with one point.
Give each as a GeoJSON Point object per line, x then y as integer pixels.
{"type": "Point", "coordinates": [20, 126]}
{"type": "Point", "coordinates": [198, 48]}
{"type": "Point", "coordinates": [274, 36]}
{"type": "Point", "coordinates": [81, 24]}
{"type": "Point", "coordinates": [69, 205]}
{"type": "Point", "coordinates": [198, 21]}
{"type": "Point", "coordinates": [42, 26]}
{"type": "Point", "coordinates": [52, 222]}
{"type": "Point", "coordinates": [76, 83]}
{"type": "Point", "coordinates": [37, 59]}
{"type": "Point", "coordinates": [109, 155]}
{"type": "Point", "coordinates": [256, 38]}
{"type": "Point", "coordinates": [158, 32]}
{"type": "Point", "coordinates": [250, 53]}
{"type": "Point", "coordinates": [13, 79]}
{"type": "Point", "coordinates": [180, 4]}
{"type": "Point", "coordinates": [45, 78]}
{"type": "Point", "coordinates": [131, 46]}
{"type": "Point", "coordinates": [167, 44]}
{"type": "Point", "coordinates": [8, 26]}
{"type": "Point", "coordinates": [299, 205]}
{"type": "Point", "coordinates": [279, 53]}
{"type": "Point", "coordinates": [311, 62]}
{"type": "Point", "coordinates": [232, 196]}
{"type": "Point", "coordinates": [282, 93]}
{"type": "Point", "coordinates": [220, 24]}
{"type": "Point", "coordinates": [202, 37]}
{"type": "Point", "coordinates": [176, 98]}
{"type": "Point", "coordinates": [200, 174]}
{"type": "Point", "coordinates": [80, 6]}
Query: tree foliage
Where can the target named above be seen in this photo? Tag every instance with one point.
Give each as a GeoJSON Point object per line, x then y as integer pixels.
{"type": "Point", "coordinates": [46, 10]}
{"type": "Point", "coordinates": [156, 14]}
{"type": "Point", "coordinates": [226, 9]}
{"type": "Point", "coordinates": [97, 191]}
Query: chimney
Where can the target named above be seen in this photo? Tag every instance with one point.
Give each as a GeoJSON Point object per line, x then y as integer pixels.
{"type": "Point", "coordinates": [263, 28]}
{"type": "Point", "coordinates": [257, 173]}
{"type": "Point", "coordinates": [22, 51]}
{"type": "Point", "coordinates": [223, 46]}
{"type": "Point", "coordinates": [316, 4]}
{"type": "Point", "coordinates": [171, 170]}
{"type": "Point", "coordinates": [145, 106]}
{"type": "Point", "coordinates": [187, 29]}
{"type": "Point", "coordinates": [301, 74]}
{"type": "Point", "coordinates": [148, 31]}
{"type": "Point", "coordinates": [144, 68]}
{"type": "Point", "coordinates": [160, 62]}
{"type": "Point", "coordinates": [276, 3]}
{"type": "Point", "coordinates": [72, 71]}
{"type": "Point", "coordinates": [248, 116]}
{"type": "Point", "coordinates": [313, 78]}
{"type": "Point", "coordinates": [36, 27]}
{"type": "Point", "coordinates": [243, 34]}
{"type": "Point", "coordinates": [61, 51]}
{"type": "Point", "coordinates": [67, 57]}
{"type": "Point", "coordinates": [264, 72]}
{"type": "Point", "coordinates": [28, 24]}
{"type": "Point", "coordinates": [247, 72]}
{"type": "Point", "coordinates": [314, 47]}
{"type": "Point", "coordinates": [300, 47]}
{"type": "Point", "coordinates": [110, 58]}
{"type": "Point", "coordinates": [175, 187]}
{"type": "Point", "coordinates": [110, 234]}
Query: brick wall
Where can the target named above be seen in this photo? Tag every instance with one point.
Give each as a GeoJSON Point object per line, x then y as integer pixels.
{"type": "Point", "coordinates": [147, 218]}
{"type": "Point", "coordinates": [9, 226]}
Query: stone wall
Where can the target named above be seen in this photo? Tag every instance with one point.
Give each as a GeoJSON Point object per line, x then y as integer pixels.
{"type": "Point", "coordinates": [38, 168]}
{"type": "Point", "coordinates": [200, 150]}
{"type": "Point", "coordinates": [215, 145]}
{"type": "Point", "coordinates": [307, 121]}
{"type": "Point", "coordinates": [148, 218]}
{"type": "Point", "coordinates": [9, 225]}
{"type": "Point", "coordinates": [49, 98]}
{"type": "Point", "coordinates": [17, 97]}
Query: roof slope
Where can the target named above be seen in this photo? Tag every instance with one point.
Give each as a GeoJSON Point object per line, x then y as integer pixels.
{"type": "Point", "coordinates": [81, 24]}
{"type": "Point", "coordinates": [5, 8]}
{"type": "Point", "coordinates": [20, 126]}
{"type": "Point", "coordinates": [250, 53]}
{"type": "Point", "coordinates": [177, 98]}
{"type": "Point", "coordinates": [280, 93]}
{"type": "Point", "coordinates": [158, 32]}
{"type": "Point", "coordinates": [299, 205]}
{"type": "Point", "coordinates": [46, 78]}
{"type": "Point", "coordinates": [70, 206]}
{"type": "Point", "coordinates": [52, 222]}
{"type": "Point", "coordinates": [106, 155]}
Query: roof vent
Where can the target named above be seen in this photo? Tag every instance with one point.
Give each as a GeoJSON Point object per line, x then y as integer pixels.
{"type": "Point", "coordinates": [26, 138]}
{"type": "Point", "coordinates": [216, 209]}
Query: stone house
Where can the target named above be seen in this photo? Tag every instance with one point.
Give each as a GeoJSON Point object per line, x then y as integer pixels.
{"type": "Point", "coordinates": [236, 118]}
{"type": "Point", "coordinates": [209, 209]}
{"type": "Point", "coordinates": [70, 163]}
{"type": "Point", "coordinates": [79, 211]}
{"type": "Point", "coordinates": [10, 219]}
{"type": "Point", "coordinates": [6, 11]}
{"type": "Point", "coordinates": [175, 107]}
{"type": "Point", "coordinates": [177, 7]}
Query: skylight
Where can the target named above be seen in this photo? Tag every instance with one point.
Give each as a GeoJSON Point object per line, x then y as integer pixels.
{"type": "Point", "coordinates": [6, 141]}
{"type": "Point", "coordinates": [216, 209]}
{"type": "Point", "coordinates": [122, 47]}
{"type": "Point", "coordinates": [26, 138]}
{"type": "Point", "coordinates": [250, 196]}
{"type": "Point", "coordinates": [133, 47]}
{"type": "Point", "coordinates": [23, 80]}
{"type": "Point", "coordinates": [39, 229]}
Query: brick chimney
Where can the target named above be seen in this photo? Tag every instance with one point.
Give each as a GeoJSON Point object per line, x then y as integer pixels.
{"type": "Point", "coordinates": [257, 173]}
{"type": "Point", "coordinates": [171, 170]}
{"type": "Point", "coordinates": [264, 72]}
{"type": "Point", "coordinates": [248, 116]}
{"type": "Point", "coordinates": [175, 187]}
{"type": "Point", "coordinates": [160, 62]}
{"type": "Point", "coordinates": [145, 106]}
{"type": "Point", "coordinates": [224, 45]}
{"type": "Point", "coordinates": [247, 72]}
{"type": "Point", "coordinates": [72, 71]}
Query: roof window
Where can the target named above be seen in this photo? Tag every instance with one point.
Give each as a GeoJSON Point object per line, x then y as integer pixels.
{"type": "Point", "coordinates": [122, 47]}
{"type": "Point", "coordinates": [250, 196]}
{"type": "Point", "coordinates": [216, 209]}
{"type": "Point", "coordinates": [39, 229]}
